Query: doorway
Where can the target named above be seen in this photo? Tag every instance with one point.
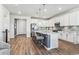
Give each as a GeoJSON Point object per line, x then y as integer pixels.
{"type": "Point", "coordinates": [20, 27]}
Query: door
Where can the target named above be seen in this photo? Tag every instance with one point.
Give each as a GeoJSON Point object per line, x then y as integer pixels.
{"type": "Point", "coordinates": [21, 26]}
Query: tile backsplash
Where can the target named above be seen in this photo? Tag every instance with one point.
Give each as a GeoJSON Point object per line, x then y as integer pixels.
{"type": "Point", "coordinates": [71, 28]}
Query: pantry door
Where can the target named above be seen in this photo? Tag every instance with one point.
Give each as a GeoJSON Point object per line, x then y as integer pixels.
{"type": "Point", "coordinates": [21, 26]}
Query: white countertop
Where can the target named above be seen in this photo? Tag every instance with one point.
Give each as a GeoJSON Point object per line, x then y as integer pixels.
{"type": "Point", "coordinates": [47, 32]}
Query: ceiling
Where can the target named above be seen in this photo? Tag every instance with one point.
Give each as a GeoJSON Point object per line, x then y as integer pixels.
{"type": "Point", "coordinates": [47, 11]}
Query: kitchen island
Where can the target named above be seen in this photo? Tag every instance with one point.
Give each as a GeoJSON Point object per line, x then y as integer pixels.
{"type": "Point", "coordinates": [50, 40]}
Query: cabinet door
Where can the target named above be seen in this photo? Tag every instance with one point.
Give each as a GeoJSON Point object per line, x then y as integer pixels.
{"type": "Point", "coordinates": [73, 18]}
{"type": "Point", "coordinates": [64, 36]}
{"type": "Point", "coordinates": [61, 21]}
{"type": "Point", "coordinates": [66, 19]}
{"type": "Point", "coordinates": [78, 39]}
{"type": "Point", "coordinates": [77, 20]}
{"type": "Point", "coordinates": [70, 37]}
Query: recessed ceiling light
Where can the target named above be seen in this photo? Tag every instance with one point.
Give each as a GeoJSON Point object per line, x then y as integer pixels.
{"type": "Point", "coordinates": [16, 4]}
{"type": "Point", "coordinates": [19, 12]}
{"type": "Point", "coordinates": [45, 10]}
{"type": "Point", "coordinates": [59, 8]}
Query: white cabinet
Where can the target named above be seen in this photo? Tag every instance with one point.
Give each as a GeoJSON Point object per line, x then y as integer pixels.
{"type": "Point", "coordinates": [72, 18]}
{"type": "Point", "coordinates": [63, 35]}
{"type": "Point", "coordinates": [70, 37]}
{"type": "Point", "coordinates": [77, 19]}
{"type": "Point", "coordinates": [61, 21]}
{"type": "Point", "coordinates": [64, 20]}
{"type": "Point", "coordinates": [69, 19]}
{"type": "Point", "coordinates": [76, 40]}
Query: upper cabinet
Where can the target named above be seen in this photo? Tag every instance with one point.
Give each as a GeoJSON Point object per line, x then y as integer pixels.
{"type": "Point", "coordinates": [64, 20]}
{"type": "Point", "coordinates": [77, 18]}
{"type": "Point", "coordinates": [61, 21]}
{"type": "Point", "coordinates": [68, 19]}
{"type": "Point", "coordinates": [73, 18]}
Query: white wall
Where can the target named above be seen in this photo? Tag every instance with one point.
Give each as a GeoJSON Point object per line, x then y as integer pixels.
{"type": "Point", "coordinates": [1, 28]}
{"type": "Point", "coordinates": [42, 23]}
{"type": "Point", "coordinates": [12, 17]}
{"type": "Point", "coordinates": [4, 21]}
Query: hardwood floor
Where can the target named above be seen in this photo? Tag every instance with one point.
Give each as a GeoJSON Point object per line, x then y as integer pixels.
{"type": "Point", "coordinates": [26, 46]}
{"type": "Point", "coordinates": [69, 47]}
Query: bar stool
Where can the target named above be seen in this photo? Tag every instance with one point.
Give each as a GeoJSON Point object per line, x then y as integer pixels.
{"type": "Point", "coordinates": [39, 39]}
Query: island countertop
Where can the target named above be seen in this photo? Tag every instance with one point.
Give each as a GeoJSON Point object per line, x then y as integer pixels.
{"type": "Point", "coordinates": [46, 32]}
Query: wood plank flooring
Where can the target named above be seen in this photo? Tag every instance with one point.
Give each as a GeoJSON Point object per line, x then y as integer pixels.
{"type": "Point", "coordinates": [69, 47]}
{"type": "Point", "coordinates": [25, 46]}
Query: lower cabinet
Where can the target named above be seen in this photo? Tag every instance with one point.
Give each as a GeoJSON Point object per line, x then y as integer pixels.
{"type": "Point", "coordinates": [78, 39]}
{"type": "Point", "coordinates": [70, 37]}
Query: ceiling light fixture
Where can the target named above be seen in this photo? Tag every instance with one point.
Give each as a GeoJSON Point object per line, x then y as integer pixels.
{"type": "Point", "coordinates": [45, 10]}
{"type": "Point", "coordinates": [44, 7]}
{"type": "Point", "coordinates": [41, 10]}
{"type": "Point", "coordinates": [59, 8]}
